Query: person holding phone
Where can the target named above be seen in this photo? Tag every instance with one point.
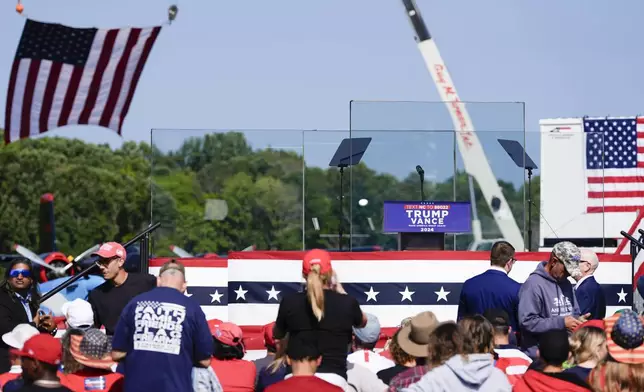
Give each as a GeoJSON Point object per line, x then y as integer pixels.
{"type": "Point", "coordinates": [547, 300]}
{"type": "Point", "coordinates": [20, 304]}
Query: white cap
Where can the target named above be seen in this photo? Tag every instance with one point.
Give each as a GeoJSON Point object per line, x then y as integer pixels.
{"type": "Point", "coordinates": [79, 313]}
{"type": "Point", "coordinates": [19, 335]}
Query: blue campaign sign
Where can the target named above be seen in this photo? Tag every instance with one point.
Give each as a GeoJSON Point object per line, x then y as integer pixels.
{"type": "Point", "coordinates": [427, 217]}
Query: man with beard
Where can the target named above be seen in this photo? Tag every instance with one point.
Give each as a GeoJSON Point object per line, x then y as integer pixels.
{"type": "Point", "coordinates": [109, 299]}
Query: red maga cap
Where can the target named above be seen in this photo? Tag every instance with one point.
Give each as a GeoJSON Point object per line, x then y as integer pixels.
{"type": "Point", "coordinates": [269, 340]}
{"type": "Point", "coordinates": [319, 257]}
{"type": "Point", "coordinates": [42, 347]}
{"type": "Point", "coordinates": [111, 249]}
{"type": "Point", "coordinates": [227, 333]}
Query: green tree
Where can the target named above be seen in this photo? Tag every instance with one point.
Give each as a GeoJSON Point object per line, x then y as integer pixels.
{"type": "Point", "coordinates": [272, 197]}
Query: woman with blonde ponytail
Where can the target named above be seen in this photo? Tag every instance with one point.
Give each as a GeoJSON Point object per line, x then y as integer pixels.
{"type": "Point", "coordinates": [323, 313]}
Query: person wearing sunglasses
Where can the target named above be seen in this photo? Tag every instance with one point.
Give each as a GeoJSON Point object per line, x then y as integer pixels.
{"type": "Point", "coordinates": [19, 304]}
{"type": "Point", "coordinates": [109, 299]}
{"type": "Point", "coordinates": [589, 293]}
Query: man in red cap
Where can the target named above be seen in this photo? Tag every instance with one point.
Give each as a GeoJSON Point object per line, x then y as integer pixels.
{"type": "Point", "coordinates": [271, 347]}
{"type": "Point", "coordinates": [109, 299]}
{"type": "Point", "coordinates": [41, 355]}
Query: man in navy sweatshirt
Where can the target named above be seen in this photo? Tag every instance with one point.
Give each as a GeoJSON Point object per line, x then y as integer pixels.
{"type": "Point", "coordinates": [547, 300]}
{"type": "Point", "coordinates": [493, 289]}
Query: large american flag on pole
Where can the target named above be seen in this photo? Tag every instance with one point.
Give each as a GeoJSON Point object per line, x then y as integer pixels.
{"type": "Point", "coordinates": [63, 75]}
{"type": "Point", "coordinates": [614, 164]}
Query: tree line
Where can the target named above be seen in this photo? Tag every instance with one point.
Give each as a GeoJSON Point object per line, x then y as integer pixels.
{"type": "Point", "coordinates": [104, 194]}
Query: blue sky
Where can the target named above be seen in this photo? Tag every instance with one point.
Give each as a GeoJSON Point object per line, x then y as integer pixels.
{"type": "Point", "coordinates": [289, 65]}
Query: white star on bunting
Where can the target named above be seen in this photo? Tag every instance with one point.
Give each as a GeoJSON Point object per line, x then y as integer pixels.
{"type": "Point", "coordinates": [406, 294]}
{"type": "Point", "coordinates": [442, 294]}
{"type": "Point", "coordinates": [241, 293]}
{"type": "Point", "coordinates": [216, 297]}
{"type": "Point", "coordinates": [622, 295]}
{"type": "Point", "coordinates": [372, 294]}
{"type": "Point", "coordinates": [272, 293]}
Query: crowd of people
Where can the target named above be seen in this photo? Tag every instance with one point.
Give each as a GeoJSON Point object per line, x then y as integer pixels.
{"type": "Point", "coordinates": [542, 335]}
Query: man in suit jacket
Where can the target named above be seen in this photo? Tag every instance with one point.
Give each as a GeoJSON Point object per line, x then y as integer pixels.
{"type": "Point", "coordinates": [588, 292]}
{"type": "Point", "coordinates": [493, 289]}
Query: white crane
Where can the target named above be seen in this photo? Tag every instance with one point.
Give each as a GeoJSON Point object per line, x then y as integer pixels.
{"type": "Point", "coordinates": [474, 159]}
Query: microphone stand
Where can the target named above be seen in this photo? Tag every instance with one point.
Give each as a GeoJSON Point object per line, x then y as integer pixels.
{"type": "Point", "coordinates": [422, 187]}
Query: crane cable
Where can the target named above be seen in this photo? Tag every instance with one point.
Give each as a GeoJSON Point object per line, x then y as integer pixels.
{"type": "Point", "coordinates": [173, 10]}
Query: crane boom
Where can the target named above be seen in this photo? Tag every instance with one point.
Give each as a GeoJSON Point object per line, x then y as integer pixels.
{"type": "Point", "coordinates": [474, 159]}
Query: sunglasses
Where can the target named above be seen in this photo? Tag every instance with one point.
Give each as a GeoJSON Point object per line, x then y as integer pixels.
{"type": "Point", "coordinates": [16, 273]}
{"type": "Point", "coordinates": [106, 262]}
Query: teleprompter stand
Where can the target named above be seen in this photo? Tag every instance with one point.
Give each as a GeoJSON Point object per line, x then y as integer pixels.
{"type": "Point", "coordinates": [421, 241]}
{"type": "Point", "coordinates": [521, 158]}
{"type": "Point", "coordinates": [349, 153]}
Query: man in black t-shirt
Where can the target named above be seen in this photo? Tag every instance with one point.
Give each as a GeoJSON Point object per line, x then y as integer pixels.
{"type": "Point", "coordinates": [109, 299]}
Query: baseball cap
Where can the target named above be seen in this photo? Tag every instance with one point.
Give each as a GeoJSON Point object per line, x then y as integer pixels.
{"type": "Point", "coordinates": [497, 317]}
{"type": "Point", "coordinates": [370, 333]}
{"type": "Point", "coordinates": [319, 257]}
{"type": "Point", "coordinates": [267, 330]}
{"type": "Point", "coordinates": [569, 255]}
{"type": "Point", "coordinates": [79, 313]}
{"type": "Point", "coordinates": [226, 333]}
{"type": "Point", "coordinates": [42, 347]}
{"type": "Point", "coordinates": [591, 323]}
{"type": "Point", "coordinates": [111, 249]}
{"type": "Point", "coordinates": [19, 335]}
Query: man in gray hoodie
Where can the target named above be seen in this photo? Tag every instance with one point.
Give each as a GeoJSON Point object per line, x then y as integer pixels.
{"type": "Point", "coordinates": [547, 300]}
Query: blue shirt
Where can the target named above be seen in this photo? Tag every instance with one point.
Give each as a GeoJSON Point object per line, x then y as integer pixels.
{"type": "Point", "coordinates": [163, 333]}
{"type": "Point", "coordinates": [265, 378]}
{"type": "Point", "coordinates": [581, 372]}
{"type": "Point", "coordinates": [493, 289]}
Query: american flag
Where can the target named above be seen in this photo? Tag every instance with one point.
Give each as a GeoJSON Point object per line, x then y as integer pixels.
{"type": "Point", "coordinates": [614, 164]}
{"type": "Point", "coordinates": [63, 75]}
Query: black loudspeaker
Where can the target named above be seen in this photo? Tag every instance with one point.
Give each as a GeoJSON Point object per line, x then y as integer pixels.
{"type": "Point", "coordinates": [421, 241]}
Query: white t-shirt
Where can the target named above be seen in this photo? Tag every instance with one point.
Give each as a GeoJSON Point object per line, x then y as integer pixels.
{"type": "Point", "coordinates": [371, 360]}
